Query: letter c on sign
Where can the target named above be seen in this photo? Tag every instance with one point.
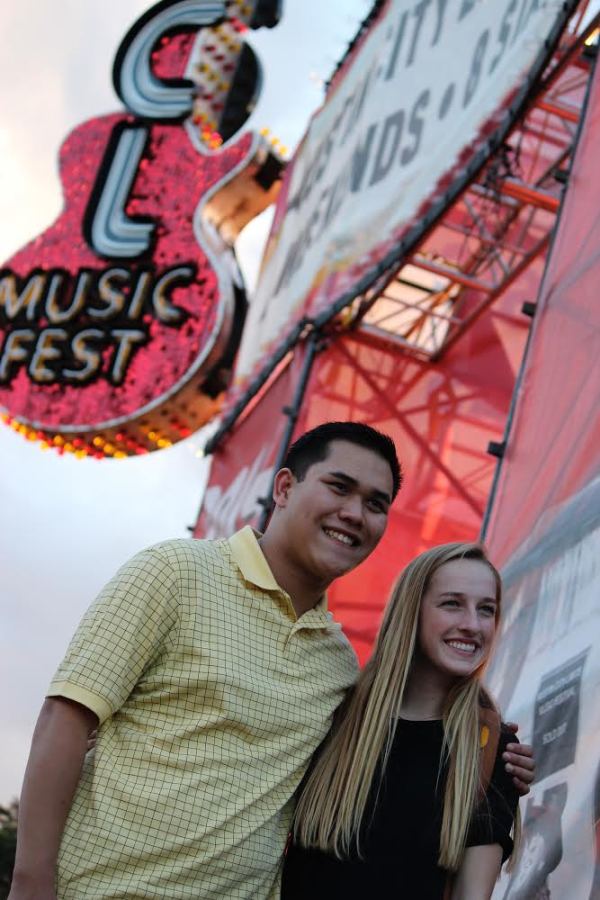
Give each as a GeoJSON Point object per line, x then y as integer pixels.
{"type": "Point", "coordinates": [140, 90]}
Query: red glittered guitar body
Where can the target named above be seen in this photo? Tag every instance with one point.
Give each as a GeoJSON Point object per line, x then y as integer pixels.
{"type": "Point", "coordinates": [118, 324]}
{"type": "Point", "coordinates": [174, 179]}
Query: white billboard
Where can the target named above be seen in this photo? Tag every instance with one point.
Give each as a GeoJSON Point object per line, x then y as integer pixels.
{"type": "Point", "coordinates": [426, 85]}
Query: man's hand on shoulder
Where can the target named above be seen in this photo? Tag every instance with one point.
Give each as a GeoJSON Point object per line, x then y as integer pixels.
{"type": "Point", "coordinates": [520, 763]}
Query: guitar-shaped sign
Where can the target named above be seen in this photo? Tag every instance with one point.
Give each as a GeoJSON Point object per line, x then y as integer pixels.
{"type": "Point", "coordinates": [118, 324]}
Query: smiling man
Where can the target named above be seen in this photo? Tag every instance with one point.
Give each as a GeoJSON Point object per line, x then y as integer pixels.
{"type": "Point", "coordinates": [212, 669]}
{"type": "Point", "coordinates": [331, 507]}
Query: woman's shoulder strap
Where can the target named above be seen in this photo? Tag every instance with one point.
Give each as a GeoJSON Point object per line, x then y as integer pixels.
{"type": "Point", "coordinates": [490, 726]}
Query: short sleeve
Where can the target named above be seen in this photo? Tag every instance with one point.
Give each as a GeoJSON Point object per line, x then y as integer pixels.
{"type": "Point", "coordinates": [493, 820]}
{"type": "Point", "coordinates": [120, 635]}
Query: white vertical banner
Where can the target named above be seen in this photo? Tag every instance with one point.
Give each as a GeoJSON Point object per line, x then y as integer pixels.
{"type": "Point", "coordinates": [546, 675]}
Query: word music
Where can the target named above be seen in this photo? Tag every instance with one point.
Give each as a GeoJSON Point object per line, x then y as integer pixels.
{"type": "Point", "coordinates": [73, 329]}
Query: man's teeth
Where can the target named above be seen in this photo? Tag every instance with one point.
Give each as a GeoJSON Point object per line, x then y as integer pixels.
{"type": "Point", "coordinates": [338, 536]}
{"type": "Point", "coordinates": [469, 648]}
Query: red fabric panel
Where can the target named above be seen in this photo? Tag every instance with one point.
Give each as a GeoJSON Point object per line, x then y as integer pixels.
{"type": "Point", "coordinates": [442, 417]}
{"type": "Point", "coordinates": [243, 463]}
{"type": "Point", "coordinates": [554, 445]}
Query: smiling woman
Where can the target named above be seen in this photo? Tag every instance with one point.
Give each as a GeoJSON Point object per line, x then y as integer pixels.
{"type": "Point", "coordinates": [409, 791]}
{"type": "Point", "coordinates": [459, 614]}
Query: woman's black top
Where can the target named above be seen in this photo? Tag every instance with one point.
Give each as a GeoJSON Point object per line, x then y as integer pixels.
{"type": "Point", "coordinates": [401, 844]}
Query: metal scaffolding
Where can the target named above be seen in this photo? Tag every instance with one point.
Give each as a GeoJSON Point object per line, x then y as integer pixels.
{"type": "Point", "coordinates": [497, 227]}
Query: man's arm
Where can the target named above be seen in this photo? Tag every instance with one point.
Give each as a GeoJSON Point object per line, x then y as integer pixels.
{"type": "Point", "coordinates": [478, 873]}
{"type": "Point", "coordinates": [53, 770]}
{"type": "Point", "coordinates": [519, 762]}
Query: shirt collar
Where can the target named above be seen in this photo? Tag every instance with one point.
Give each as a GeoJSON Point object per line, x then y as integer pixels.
{"type": "Point", "coordinates": [251, 560]}
{"type": "Point", "coordinates": [253, 565]}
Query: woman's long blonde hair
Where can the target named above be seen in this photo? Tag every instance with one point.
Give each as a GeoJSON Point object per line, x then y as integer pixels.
{"type": "Point", "coordinates": [331, 810]}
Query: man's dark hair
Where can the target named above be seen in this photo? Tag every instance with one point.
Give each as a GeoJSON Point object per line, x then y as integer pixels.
{"type": "Point", "coordinates": [313, 447]}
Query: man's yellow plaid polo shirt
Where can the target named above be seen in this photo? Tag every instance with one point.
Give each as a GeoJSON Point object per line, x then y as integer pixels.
{"type": "Point", "coordinates": [211, 696]}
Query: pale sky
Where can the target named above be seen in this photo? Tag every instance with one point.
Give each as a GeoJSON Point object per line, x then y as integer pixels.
{"type": "Point", "coordinates": [67, 524]}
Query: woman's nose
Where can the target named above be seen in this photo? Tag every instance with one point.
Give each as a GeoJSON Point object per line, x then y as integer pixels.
{"type": "Point", "coordinates": [469, 620]}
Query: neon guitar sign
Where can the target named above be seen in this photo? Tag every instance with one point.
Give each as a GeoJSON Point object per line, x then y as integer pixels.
{"type": "Point", "coordinates": [119, 323]}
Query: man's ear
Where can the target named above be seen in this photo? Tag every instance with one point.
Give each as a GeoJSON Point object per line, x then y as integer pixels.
{"type": "Point", "coordinates": [283, 483]}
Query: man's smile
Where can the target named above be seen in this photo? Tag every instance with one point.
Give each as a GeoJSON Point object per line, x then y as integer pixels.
{"type": "Point", "coordinates": [342, 537]}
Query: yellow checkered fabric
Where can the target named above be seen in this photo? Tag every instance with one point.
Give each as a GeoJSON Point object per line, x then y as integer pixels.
{"type": "Point", "coordinates": [212, 695]}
